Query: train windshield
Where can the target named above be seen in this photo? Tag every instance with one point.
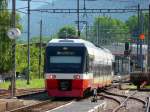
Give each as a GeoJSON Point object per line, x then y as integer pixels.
{"type": "Point", "coordinates": [65, 59]}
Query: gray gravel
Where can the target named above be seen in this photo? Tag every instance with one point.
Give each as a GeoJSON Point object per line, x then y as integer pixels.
{"type": "Point", "coordinates": [131, 105]}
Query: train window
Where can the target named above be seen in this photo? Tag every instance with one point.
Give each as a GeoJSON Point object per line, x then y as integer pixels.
{"type": "Point", "coordinates": [113, 65]}
{"type": "Point", "coordinates": [65, 59]}
{"type": "Point", "coordinates": [94, 70]}
{"type": "Point", "coordinates": [87, 63]}
{"type": "Point", "coordinates": [91, 66]}
{"type": "Point", "coordinates": [62, 59]}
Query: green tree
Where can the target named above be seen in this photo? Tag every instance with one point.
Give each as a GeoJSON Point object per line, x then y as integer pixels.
{"type": "Point", "coordinates": [5, 42]}
{"type": "Point", "coordinates": [3, 4]}
{"type": "Point", "coordinates": [44, 39]}
{"type": "Point", "coordinates": [67, 31]}
{"type": "Point", "coordinates": [22, 62]}
{"type": "Point", "coordinates": [107, 30]}
{"type": "Point", "coordinates": [136, 28]}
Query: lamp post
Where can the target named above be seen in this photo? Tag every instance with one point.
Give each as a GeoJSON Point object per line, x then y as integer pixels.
{"type": "Point", "coordinates": [13, 33]}
{"type": "Point", "coordinates": [13, 83]}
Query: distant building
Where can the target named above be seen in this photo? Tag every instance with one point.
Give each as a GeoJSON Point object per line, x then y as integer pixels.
{"type": "Point", "coordinates": [121, 61]}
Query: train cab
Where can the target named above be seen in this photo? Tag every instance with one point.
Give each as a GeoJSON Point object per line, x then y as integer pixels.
{"type": "Point", "coordinates": [73, 66]}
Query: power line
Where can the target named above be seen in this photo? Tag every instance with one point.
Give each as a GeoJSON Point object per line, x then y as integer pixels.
{"type": "Point", "coordinates": [87, 10]}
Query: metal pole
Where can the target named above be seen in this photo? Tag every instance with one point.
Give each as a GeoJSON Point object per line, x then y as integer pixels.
{"type": "Point", "coordinates": [86, 33]}
{"type": "Point", "coordinates": [28, 75]}
{"type": "Point", "coordinates": [138, 33]}
{"type": "Point", "coordinates": [141, 56]}
{"type": "Point", "coordinates": [148, 51]}
{"type": "Point", "coordinates": [129, 59]}
{"type": "Point", "coordinates": [141, 42]}
{"type": "Point", "coordinates": [118, 64]}
{"type": "Point", "coordinates": [78, 18]}
{"type": "Point", "coordinates": [97, 35]}
{"type": "Point", "coordinates": [40, 50]}
{"type": "Point", "coordinates": [122, 65]}
{"type": "Point", "coordinates": [13, 81]}
{"type": "Point", "coordinates": [84, 5]}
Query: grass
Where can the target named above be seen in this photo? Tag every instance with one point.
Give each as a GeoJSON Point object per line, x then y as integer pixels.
{"type": "Point", "coordinates": [147, 86]}
{"type": "Point", "coordinates": [21, 84]}
{"type": "Point", "coordinates": [132, 86]}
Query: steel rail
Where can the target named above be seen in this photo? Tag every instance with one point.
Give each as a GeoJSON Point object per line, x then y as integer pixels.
{"type": "Point", "coordinates": [123, 103]}
{"type": "Point", "coordinates": [30, 106]}
{"type": "Point", "coordinates": [22, 94]}
{"type": "Point", "coordinates": [126, 99]}
{"type": "Point", "coordinates": [148, 105]}
{"type": "Point", "coordinates": [108, 97]}
{"type": "Point", "coordinates": [124, 96]}
{"type": "Point", "coordinates": [51, 103]}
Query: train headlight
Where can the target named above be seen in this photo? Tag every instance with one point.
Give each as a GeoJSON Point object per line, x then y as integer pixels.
{"type": "Point", "coordinates": [52, 76]}
{"type": "Point", "coordinates": [76, 76]}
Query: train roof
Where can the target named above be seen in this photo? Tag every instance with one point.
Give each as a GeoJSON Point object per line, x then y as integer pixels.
{"type": "Point", "coordinates": [70, 42]}
{"type": "Point", "coordinates": [99, 53]}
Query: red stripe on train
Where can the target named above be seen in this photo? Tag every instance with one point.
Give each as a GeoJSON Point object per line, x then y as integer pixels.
{"type": "Point", "coordinates": [77, 89]}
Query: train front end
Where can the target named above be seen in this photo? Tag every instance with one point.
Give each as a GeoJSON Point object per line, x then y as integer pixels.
{"type": "Point", "coordinates": [64, 68]}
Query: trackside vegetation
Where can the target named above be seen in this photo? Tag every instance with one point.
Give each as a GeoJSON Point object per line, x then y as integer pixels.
{"type": "Point", "coordinates": [21, 84]}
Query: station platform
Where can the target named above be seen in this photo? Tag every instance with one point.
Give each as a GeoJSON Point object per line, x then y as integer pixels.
{"type": "Point", "coordinates": [81, 106]}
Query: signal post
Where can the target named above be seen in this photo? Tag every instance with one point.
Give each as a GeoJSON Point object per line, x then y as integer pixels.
{"type": "Point", "coordinates": [127, 52]}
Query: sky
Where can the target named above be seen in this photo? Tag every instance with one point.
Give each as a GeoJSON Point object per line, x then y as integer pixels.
{"type": "Point", "coordinates": [34, 4]}
{"type": "Point", "coordinates": [49, 25]}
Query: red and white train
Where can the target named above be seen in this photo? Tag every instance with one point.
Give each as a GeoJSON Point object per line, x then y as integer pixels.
{"type": "Point", "coordinates": [75, 66]}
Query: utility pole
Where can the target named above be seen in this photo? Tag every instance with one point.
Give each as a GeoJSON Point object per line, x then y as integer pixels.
{"type": "Point", "coordinates": [141, 41]}
{"type": "Point", "coordinates": [78, 17]}
{"type": "Point", "coordinates": [86, 22]}
{"type": "Point", "coordinates": [86, 33]}
{"type": "Point", "coordinates": [28, 74]}
{"type": "Point", "coordinates": [13, 81]}
{"type": "Point", "coordinates": [84, 5]}
{"type": "Point", "coordinates": [98, 34]}
{"type": "Point", "coordinates": [40, 48]}
{"type": "Point", "coordinates": [148, 52]}
{"type": "Point", "coordinates": [138, 33]}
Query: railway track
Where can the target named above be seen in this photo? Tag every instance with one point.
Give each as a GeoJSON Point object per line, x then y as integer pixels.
{"type": "Point", "coordinates": [147, 105]}
{"type": "Point", "coordinates": [38, 101]}
{"type": "Point", "coordinates": [125, 96]}
{"type": "Point", "coordinates": [21, 93]}
{"type": "Point", "coordinates": [52, 103]}
{"type": "Point", "coordinates": [30, 107]}
{"type": "Point", "coordinates": [122, 100]}
{"type": "Point", "coordinates": [42, 106]}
